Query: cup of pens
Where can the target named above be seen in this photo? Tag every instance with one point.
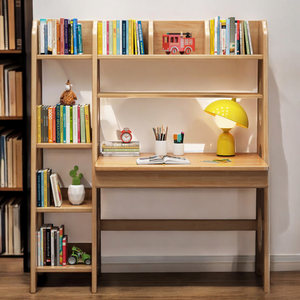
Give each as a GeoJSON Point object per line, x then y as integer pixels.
{"type": "Point", "coordinates": [160, 134]}
{"type": "Point", "coordinates": [178, 146]}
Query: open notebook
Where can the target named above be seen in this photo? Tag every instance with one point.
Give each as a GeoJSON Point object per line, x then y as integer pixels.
{"type": "Point", "coordinates": [159, 160]}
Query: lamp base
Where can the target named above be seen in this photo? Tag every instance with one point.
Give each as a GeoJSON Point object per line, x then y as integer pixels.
{"type": "Point", "coordinates": [225, 146]}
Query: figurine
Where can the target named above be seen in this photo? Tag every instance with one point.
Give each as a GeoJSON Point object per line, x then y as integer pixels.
{"type": "Point", "coordinates": [176, 42]}
{"type": "Point", "coordinates": [68, 97]}
{"type": "Point", "coordinates": [77, 254]}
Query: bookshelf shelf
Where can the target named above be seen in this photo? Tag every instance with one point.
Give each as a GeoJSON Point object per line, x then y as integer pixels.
{"type": "Point", "coordinates": [80, 268]}
{"type": "Point", "coordinates": [67, 207]}
{"type": "Point", "coordinates": [11, 118]}
{"type": "Point", "coordinates": [178, 95]}
{"type": "Point", "coordinates": [10, 51]}
{"type": "Point", "coordinates": [63, 146]}
{"type": "Point", "coordinates": [65, 57]}
{"type": "Point", "coordinates": [11, 189]}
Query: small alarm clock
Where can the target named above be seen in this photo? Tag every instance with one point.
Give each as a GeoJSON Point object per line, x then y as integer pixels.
{"type": "Point", "coordinates": [126, 135]}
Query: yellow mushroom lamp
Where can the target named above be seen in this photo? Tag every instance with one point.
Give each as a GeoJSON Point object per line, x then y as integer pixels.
{"type": "Point", "coordinates": [228, 113]}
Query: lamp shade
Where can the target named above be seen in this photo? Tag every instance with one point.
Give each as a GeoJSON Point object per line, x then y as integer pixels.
{"type": "Point", "coordinates": [228, 109]}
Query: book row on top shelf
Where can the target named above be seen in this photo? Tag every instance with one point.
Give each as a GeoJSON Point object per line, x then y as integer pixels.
{"type": "Point", "coordinates": [156, 37]}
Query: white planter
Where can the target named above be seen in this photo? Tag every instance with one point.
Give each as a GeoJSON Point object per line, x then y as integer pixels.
{"type": "Point", "coordinates": [76, 194]}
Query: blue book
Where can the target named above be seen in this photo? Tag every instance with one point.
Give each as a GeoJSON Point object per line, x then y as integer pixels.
{"type": "Point", "coordinates": [42, 187]}
{"type": "Point", "coordinates": [57, 114]}
{"type": "Point", "coordinates": [127, 38]}
{"type": "Point", "coordinates": [65, 123]}
{"type": "Point", "coordinates": [38, 180]}
{"type": "Point", "coordinates": [75, 38]}
{"type": "Point", "coordinates": [66, 35]}
{"type": "Point", "coordinates": [123, 37]}
{"type": "Point", "coordinates": [79, 39]}
{"type": "Point", "coordinates": [118, 37]}
{"type": "Point", "coordinates": [227, 43]}
{"type": "Point", "coordinates": [140, 29]}
{"type": "Point", "coordinates": [46, 38]}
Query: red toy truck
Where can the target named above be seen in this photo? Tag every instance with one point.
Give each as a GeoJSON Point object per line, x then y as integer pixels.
{"type": "Point", "coordinates": [176, 42]}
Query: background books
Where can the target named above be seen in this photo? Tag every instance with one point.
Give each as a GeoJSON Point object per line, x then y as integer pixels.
{"type": "Point", "coordinates": [63, 124]}
{"type": "Point", "coordinates": [230, 37]}
{"type": "Point", "coordinates": [11, 165]}
{"type": "Point", "coordinates": [10, 25]}
{"type": "Point", "coordinates": [117, 148]}
{"type": "Point", "coordinates": [10, 225]}
{"type": "Point", "coordinates": [120, 37]}
{"type": "Point", "coordinates": [60, 36]}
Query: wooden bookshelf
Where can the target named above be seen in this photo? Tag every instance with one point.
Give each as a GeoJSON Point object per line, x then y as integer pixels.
{"type": "Point", "coordinates": [246, 170]}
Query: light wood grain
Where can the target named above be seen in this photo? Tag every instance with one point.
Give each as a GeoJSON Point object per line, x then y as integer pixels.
{"type": "Point", "coordinates": [80, 268]}
{"type": "Point", "coordinates": [64, 146]}
{"type": "Point", "coordinates": [65, 57]}
{"type": "Point", "coordinates": [68, 207]}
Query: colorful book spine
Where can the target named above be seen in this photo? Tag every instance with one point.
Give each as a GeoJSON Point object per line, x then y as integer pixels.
{"type": "Point", "coordinates": [45, 188]}
{"type": "Point", "coordinates": [82, 125]}
{"type": "Point", "coordinates": [75, 36]}
{"type": "Point", "coordinates": [232, 35]}
{"type": "Point", "coordinates": [49, 172]}
{"type": "Point", "coordinates": [134, 36]}
{"type": "Point", "coordinates": [54, 124]}
{"type": "Point", "coordinates": [50, 125]}
{"type": "Point", "coordinates": [57, 108]}
{"type": "Point", "coordinates": [123, 37]}
{"type": "Point", "coordinates": [78, 125]}
{"type": "Point", "coordinates": [212, 36]}
{"type": "Point", "coordinates": [241, 37]}
{"type": "Point", "coordinates": [137, 38]}
{"type": "Point", "coordinates": [46, 38]}
{"type": "Point", "coordinates": [64, 250]}
{"type": "Point", "coordinates": [99, 38]}
{"type": "Point", "coordinates": [114, 23]}
{"type": "Point", "coordinates": [61, 234]}
{"type": "Point", "coordinates": [66, 36]}
{"type": "Point", "coordinates": [41, 36]}
{"type": "Point", "coordinates": [141, 37]}
{"type": "Point", "coordinates": [79, 39]}
{"type": "Point", "coordinates": [38, 180]}
{"type": "Point", "coordinates": [223, 37]}
{"type": "Point", "coordinates": [118, 37]}
{"type": "Point", "coordinates": [127, 37]}
{"type": "Point", "coordinates": [49, 34]}
{"type": "Point", "coordinates": [249, 38]}
{"type": "Point", "coordinates": [46, 123]}
{"type": "Point", "coordinates": [62, 39]}
{"type": "Point", "coordinates": [71, 124]}
{"type": "Point", "coordinates": [57, 37]}
{"type": "Point", "coordinates": [65, 123]}
{"type": "Point", "coordinates": [238, 37]}
{"type": "Point", "coordinates": [130, 42]}
{"type": "Point", "coordinates": [54, 38]}
{"type": "Point", "coordinates": [75, 136]}
{"type": "Point", "coordinates": [42, 187]}
{"type": "Point", "coordinates": [39, 248]}
{"type": "Point", "coordinates": [247, 50]}
{"type": "Point", "coordinates": [87, 123]}
{"type": "Point", "coordinates": [110, 37]}
{"type": "Point", "coordinates": [107, 37]}
{"type": "Point", "coordinates": [71, 37]}
{"type": "Point", "coordinates": [38, 114]}
{"type": "Point", "coordinates": [217, 35]}
{"type": "Point", "coordinates": [227, 37]}
{"type": "Point", "coordinates": [61, 123]}
{"type": "Point", "coordinates": [104, 41]}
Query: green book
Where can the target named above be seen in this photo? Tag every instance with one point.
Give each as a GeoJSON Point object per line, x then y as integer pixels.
{"type": "Point", "coordinates": [82, 125]}
{"type": "Point", "coordinates": [246, 38]}
{"type": "Point", "coordinates": [61, 124]}
{"type": "Point", "coordinates": [71, 124]}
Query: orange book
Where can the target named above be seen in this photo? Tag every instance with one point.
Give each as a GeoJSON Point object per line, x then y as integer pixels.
{"type": "Point", "coordinates": [57, 37]}
{"type": "Point", "coordinates": [11, 24]}
{"type": "Point", "coordinates": [50, 124]}
{"type": "Point", "coordinates": [12, 93]}
{"type": "Point", "coordinates": [19, 94]}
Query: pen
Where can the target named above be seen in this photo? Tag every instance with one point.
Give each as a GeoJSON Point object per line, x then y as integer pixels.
{"type": "Point", "coordinates": [175, 138]}
{"type": "Point", "coordinates": [182, 136]}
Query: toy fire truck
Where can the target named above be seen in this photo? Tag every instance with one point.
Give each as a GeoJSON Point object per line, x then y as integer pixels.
{"type": "Point", "coordinates": [176, 42]}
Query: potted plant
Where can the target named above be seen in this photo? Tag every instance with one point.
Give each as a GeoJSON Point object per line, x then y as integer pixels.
{"type": "Point", "coordinates": [76, 191]}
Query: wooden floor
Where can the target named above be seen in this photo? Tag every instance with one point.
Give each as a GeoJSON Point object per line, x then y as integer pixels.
{"type": "Point", "coordinates": [14, 284]}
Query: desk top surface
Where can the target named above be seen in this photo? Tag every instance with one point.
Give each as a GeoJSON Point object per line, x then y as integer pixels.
{"type": "Point", "coordinates": [239, 162]}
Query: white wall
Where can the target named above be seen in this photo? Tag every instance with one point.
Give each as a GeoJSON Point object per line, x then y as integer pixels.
{"type": "Point", "coordinates": [187, 115]}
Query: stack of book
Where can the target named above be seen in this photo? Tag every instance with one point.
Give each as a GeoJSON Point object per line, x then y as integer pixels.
{"type": "Point", "coordinates": [11, 165]}
{"type": "Point", "coordinates": [47, 196]}
{"type": "Point", "coordinates": [230, 37]}
{"type": "Point", "coordinates": [11, 25]}
{"type": "Point", "coordinates": [10, 225]}
{"type": "Point", "coordinates": [120, 37]}
{"type": "Point", "coordinates": [51, 243]}
{"type": "Point", "coordinates": [60, 36]}
{"type": "Point", "coordinates": [63, 124]}
{"type": "Point", "coordinates": [11, 92]}
{"type": "Point", "coordinates": [117, 148]}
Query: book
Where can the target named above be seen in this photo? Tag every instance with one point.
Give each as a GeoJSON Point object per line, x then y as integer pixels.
{"type": "Point", "coordinates": [38, 192]}
{"type": "Point", "coordinates": [3, 143]}
{"type": "Point", "coordinates": [134, 37]}
{"type": "Point", "coordinates": [247, 46]}
{"type": "Point", "coordinates": [38, 263]}
{"type": "Point", "coordinates": [78, 124]}
{"type": "Point", "coordinates": [212, 36]}
{"type": "Point", "coordinates": [53, 124]}
{"type": "Point", "coordinates": [62, 36]}
{"type": "Point", "coordinates": [64, 250]}
{"type": "Point", "coordinates": [44, 187]}
{"type": "Point", "coordinates": [75, 123]}
{"type": "Point", "coordinates": [12, 93]}
{"type": "Point", "coordinates": [130, 44]}
{"type": "Point", "coordinates": [159, 160]}
{"type": "Point", "coordinates": [79, 39]}
{"type": "Point", "coordinates": [61, 123]}
{"type": "Point", "coordinates": [127, 37]}
{"type": "Point", "coordinates": [232, 36]}
{"type": "Point", "coordinates": [56, 189]}
{"type": "Point", "coordinates": [54, 37]}
{"type": "Point", "coordinates": [82, 125]}
{"type": "Point", "coordinates": [49, 33]}
{"type": "Point", "coordinates": [61, 235]}
{"type": "Point", "coordinates": [66, 36]}
{"type": "Point", "coordinates": [5, 16]}
{"type": "Point", "coordinates": [107, 37]}
{"type": "Point", "coordinates": [110, 30]}
{"type": "Point", "coordinates": [67, 123]}
{"type": "Point", "coordinates": [120, 144]}
{"type": "Point", "coordinates": [17, 246]}
{"type": "Point", "coordinates": [18, 24]}
{"type": "Point", "coordinates": [249, 38]}
{"type": "Point", "coordinates": [217, 35]}
{"type": "Point", "coordinates": [11, 25]}
{"type": "Point", "coordinates": [104, 38]}
{"type": "Point", "coordinates": [2, 32]}
{"type": "Point", "coordinates": [99, 38]}
{"type": "Point", "coordinates": [222, 37]}
{"type": "Point", "coordinates": [227, 44]}
{"type": "Point", "coordinates": [50, 124]}
{"type": "Point", "coordinates": [57, 37]}
{"type": "Point", "coordinates": [75, 46]}
{"type": "Point", "coordinates": [137, 38]}
{"type": "Point", "coordinates": [141, 41]}
{"type": "Point", "coordinates": [123, 37]}
{"type": "Point", "coordinates": [10, 228]}
{"type": "Point", "coordinates": [87, 123]}
{"type": "Point", "coordinates": [123, 153]}
{"type": "Point", "coordinates": [46, 38]}
{"type": "Point", "coordinates": [71, 124]}
{"type": "Point", "coordinates": [114, 24]}
{"type": "Point", "coordinates": [57, 114]}
{"type": "Point", "coordinates": [54, 246]}
{"type": "Point", "coordinates": [19, 94]}
{"type": "Point", "coordinates": [8, 88]}
{"type": "Point", "coordinates": [118, 37]}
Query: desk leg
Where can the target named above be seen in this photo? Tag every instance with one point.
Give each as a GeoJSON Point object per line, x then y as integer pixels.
{"type": "Point", "coordinates": [94, 239]}
{"type": "Point", "coordinates": [262, 255]}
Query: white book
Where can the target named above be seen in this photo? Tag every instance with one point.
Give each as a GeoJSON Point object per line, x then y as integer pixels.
{"type": "Point", "coordinates": [50, 43]}
{"type": "Point", "coordinates": [137, 38]}
{"type": "Point", "coordinates": [67, 124]}
{"type": "Point", "coordinates": [54, 37]}
{"type": "Point", "coordinates": [53, 190]}
{"type": "Point", "coordinates": [42, 36]}
{"type": "Point", "coordinates": [120, 37]}
{"type": "Point", "coordinates": [235, 38]}
{"type": "Point", "coordinates": [104, 38]}
{"type": "Point", "coordinates": [75, 120]}
{"type": "Point", "coordinates": [56, 189]}
{"type": "Point", "coordinates": [249, 37]}
{"type": "Point", "coordinates": [217, 35]}
{"type": "Point", "coordinates": [38, 248]}
{"type": "Point", "coordinates": [17, 226]}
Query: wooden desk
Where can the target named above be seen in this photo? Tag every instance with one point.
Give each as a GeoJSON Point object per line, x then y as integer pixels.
{"type": "Point", "coordinates": [244, 171]}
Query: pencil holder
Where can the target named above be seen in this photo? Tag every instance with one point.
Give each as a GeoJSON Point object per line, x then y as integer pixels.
{"type": "Point", "coordinates": [178, 149]}
{"type": "Point", "coordinates": [160, 147]}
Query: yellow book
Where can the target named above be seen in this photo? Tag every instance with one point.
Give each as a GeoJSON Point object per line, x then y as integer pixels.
{"type": "Point", "coordinates": [134, 36]}
{"type": "Point", "coordinates": [114, 37]}
{"type": "Point", "coordinates": [130, 37]}
{"type": "Point", "coordinates": [45, 188]}
{"type": "Point", "coordinates": [39, 125]}
{"type": "Point", "coordinates": [99, 35]}
{"type": "Point", "coordinates": [87, 123]}
{"type": "Point", "coordinates": [72, 38]}
{"type": "Point", "coordinates": [212, 36]}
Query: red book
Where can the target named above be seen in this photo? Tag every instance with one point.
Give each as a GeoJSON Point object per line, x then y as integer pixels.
{"type": "Point", "coordinates": [54, 124]}
{"type": "Point", "coordinates": [62, 40]}
{"type": "Point", "coordinates": [61, 235]}
{"type": "Point", "coordinates": [78, 123]}
{"type": "Point", "coordinates": [65, 245]}
{"type": "Point", "coordinates": [107, 37]}
{"type": "Point", "coordinates": [58, 37]}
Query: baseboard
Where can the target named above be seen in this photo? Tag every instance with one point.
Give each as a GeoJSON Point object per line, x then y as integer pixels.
{"type": "Point", "coordinates": [242, 263]}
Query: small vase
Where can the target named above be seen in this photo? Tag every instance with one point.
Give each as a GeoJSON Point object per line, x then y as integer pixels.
{"type": "Point", "coordinates": [76, 194]}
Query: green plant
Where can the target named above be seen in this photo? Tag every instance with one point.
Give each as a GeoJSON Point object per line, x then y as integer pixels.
{"type": "Point", "coordinates": [73, 174]}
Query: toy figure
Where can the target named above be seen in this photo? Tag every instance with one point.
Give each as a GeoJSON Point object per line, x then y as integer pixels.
{"type": "Point", "coordinates": [68, 97]}
{"type": "Point", "coordinates": [176, 42]}
{"type": "Point", "coordinates": [77, 254]}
